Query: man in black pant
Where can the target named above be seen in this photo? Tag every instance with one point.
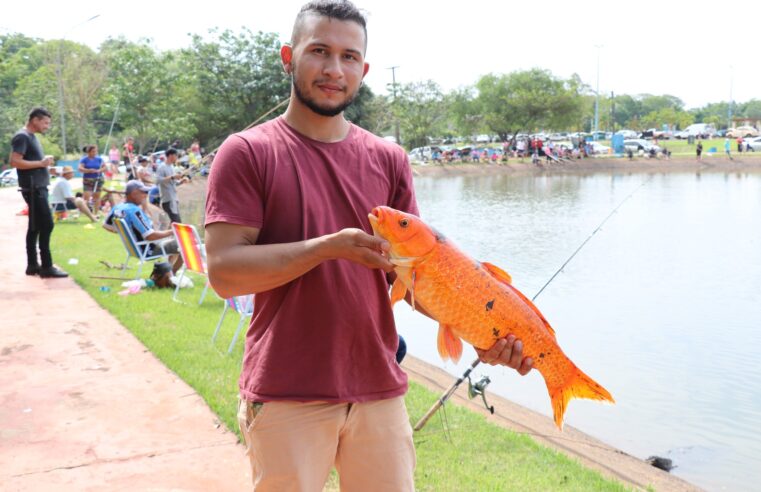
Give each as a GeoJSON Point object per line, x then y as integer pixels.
{"type": "Point", "coordinates": [33, 178]}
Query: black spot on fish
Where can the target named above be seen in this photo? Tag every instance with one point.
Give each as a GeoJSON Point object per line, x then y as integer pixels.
{"type": "Point", "coordinates": [541, 355]}
{"type": "Point", "coordinates": [495, 332]}
{"type": "Point", "coordinates": [440, 238]}
{"type": "Point", "coordinates": [490, 305]}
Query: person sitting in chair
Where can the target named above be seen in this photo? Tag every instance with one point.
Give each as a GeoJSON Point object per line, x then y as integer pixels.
{"type": "Point", "coordinates": [63, 199]}
{"type": "Point", "coordinates": [131, 211]}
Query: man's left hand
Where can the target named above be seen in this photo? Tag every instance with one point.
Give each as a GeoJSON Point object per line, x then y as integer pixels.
{"type": "Point", "coordinates": [508, 352]}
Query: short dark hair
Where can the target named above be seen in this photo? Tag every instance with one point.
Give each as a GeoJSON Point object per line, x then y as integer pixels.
{"type": "Point", "coordinates": [342, 10]}
{"type": "Point", "coordinates": [39, 113]}
{"type": "Point", "coordinates": [170, 151]}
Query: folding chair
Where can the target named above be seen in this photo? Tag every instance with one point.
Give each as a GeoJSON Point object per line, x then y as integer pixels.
{"type": "Point", "coordinates": [139, 249]}
{"type": "Point", "coordinates": [193, 255]}
{"type": "Point", "coordinates": [244, 306]}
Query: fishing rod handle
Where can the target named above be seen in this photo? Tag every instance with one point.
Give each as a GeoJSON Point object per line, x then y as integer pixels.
{"type": "Point", "coordinates": [421, 423]}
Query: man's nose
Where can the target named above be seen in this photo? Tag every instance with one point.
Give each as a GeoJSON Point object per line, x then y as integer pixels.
{"type": "Point", "coordinates": [332, 67]}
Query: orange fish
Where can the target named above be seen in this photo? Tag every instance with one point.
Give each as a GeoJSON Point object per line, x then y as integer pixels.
{"type": "Point", "coordinates": [476, 302]}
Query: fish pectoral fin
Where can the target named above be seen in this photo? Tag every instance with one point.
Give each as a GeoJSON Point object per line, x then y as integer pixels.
{"type": "Point", "coordinates": [398, 291]}
{"type": "Point", "coordinates": [497, 273]}
{"type": "Point", "coordinates": [449, 345]}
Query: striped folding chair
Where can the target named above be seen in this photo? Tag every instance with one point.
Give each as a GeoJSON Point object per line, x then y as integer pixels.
{"type": "Point", "coordinates": [193, 255]}
{"type": "Point", "coordinates": [244, 306]}
{"type": "Point", "coordinates": [142, 250]}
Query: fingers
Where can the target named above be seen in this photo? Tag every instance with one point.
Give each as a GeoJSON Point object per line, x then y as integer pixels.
{"type": "Point", "coordinates": [358, 246]}
{"type": "Point", "coordinates": [508, 352]}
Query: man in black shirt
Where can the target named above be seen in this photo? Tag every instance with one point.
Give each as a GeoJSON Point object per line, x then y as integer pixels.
{"type": "Point", "coordinates": [33, 178]}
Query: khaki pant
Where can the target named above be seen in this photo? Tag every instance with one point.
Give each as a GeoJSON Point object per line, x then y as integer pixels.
{"type": "Point", "coordinates": [293, 446]}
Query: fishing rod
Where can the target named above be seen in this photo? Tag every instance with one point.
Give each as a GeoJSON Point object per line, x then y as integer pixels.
{"type": "Point", "coordinates": [479, 388]}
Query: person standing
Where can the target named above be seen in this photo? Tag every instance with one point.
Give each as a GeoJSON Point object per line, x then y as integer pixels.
{"type": "Point", "coordinates": [168, 179]}
{"type": "Point", "coordinates": [33, 177]}
{"type": "Point", "coordinates": [286, 219]}
{"type": "Point", "coordinates": [728, 148]}
{"type": "Point", "coordinates": [699, 150]}
{"type": "Point", "coordinates": [92, 167]}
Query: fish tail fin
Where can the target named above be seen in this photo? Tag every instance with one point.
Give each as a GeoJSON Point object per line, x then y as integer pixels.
{"type": "Point", "coordinates": [449, 345]}
{"type": "Point", "coordinates": [578, 385]}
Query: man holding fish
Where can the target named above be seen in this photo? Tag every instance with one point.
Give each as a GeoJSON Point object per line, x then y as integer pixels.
{"type": "Point", "coordinates": [286, 219]}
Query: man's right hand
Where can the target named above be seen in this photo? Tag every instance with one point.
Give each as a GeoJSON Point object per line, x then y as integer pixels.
{"type": "Point", "coordinates": [358, 246]}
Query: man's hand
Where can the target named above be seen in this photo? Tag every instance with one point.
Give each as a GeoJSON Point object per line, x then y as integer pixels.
{"type": "Point", "coordinates": [508, 352]}
{"type": "Point", "coordinates": [358, 246]}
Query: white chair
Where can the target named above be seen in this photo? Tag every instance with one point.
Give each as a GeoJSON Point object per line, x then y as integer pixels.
{"type": "Point", "coordinates": [244, 306]}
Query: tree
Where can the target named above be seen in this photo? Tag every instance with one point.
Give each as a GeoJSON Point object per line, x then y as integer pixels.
{"type": "Point", "coordinates": [369, 111]}
{"type": "Point", "coordinates": [667, 116]}
{"type": "Point", "coordinates": [238, 78]}
{"type": "Point", "coordinates": [465, 114]}
{"type": "Point", "coordinates": [420, 110]}
{"type": "Point", "coordinates": [144, 83]}
{"type": "Point", "coordinates": [527, 101]}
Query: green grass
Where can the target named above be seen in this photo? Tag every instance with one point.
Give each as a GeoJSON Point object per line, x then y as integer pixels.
{"type": "Point", "coordinates": [468, 453]}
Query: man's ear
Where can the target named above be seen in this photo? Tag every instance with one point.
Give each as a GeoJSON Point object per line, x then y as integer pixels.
{"type": "Point", "coordinates": [286, 57]}
{"type": "Point", "coordinates": [365, 70]}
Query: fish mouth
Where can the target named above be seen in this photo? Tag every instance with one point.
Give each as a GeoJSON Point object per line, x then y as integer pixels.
{"type": "Point", "coordinates": [375, 217]}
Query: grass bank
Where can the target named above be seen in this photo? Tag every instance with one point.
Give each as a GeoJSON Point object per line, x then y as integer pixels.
{"type": "Point", "coordinates": [467, 454]}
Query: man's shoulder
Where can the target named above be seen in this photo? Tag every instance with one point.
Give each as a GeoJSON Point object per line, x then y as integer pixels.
{"type": "Point", "coordinates": [372, 141]}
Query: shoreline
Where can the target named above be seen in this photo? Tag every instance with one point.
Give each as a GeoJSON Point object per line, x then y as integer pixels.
{"type": "Point", "coordinates": [742, 163]}
{"type": "Point", "coordinates": [589, 451]}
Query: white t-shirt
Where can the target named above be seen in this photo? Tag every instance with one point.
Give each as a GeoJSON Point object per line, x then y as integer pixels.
{"type": "Point", "coordinates": [61, 191]}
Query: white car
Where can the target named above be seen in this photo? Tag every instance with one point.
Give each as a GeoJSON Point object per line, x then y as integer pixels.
{"type": "Point", "coordinates": [599, 149]}
{"type": "Point", "coordinates": [628, 133]}
{"type": "Point", "coordinates": [9, 177]}
{"type": "Point", "coordinates": [753, 144]}
{"type": "Point", "coordinates": [638, 144]}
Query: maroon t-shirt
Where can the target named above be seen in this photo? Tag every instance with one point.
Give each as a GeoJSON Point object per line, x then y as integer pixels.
{"type": "Point", "coordinates": [328, 335]}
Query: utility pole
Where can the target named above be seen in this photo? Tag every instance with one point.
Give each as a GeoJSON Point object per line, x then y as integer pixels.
{"type": "Point", "coordinates": [396, 120]}
{"type": "Point", "coordinates": [59, 75]}
{"type": "Point", "coordinates": [597, 93]}
{"type": "Point", "coordinates": [731, 101]}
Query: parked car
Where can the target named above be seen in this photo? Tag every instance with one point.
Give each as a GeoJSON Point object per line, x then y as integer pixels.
{"type": "Point", "coordinates": [628, 133]}
{"type": "Point", "coordinates": [639, 144]}
{"type": "Point", "coordinates": [697, 130]}
{"type": "Point", "coordinates": [754, 143]}
{"type": "Point", "coordinates": [9, 177]}
{"type": "Point", "coordinates": [599, 149]}
{"type": "Point", "coordinates": [742, 131]}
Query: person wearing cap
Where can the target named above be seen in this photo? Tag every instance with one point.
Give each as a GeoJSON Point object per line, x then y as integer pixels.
{"type": "Point", "coordinates": [168, 179]}
{"type": "Point", "coordinates": [64, 199]}
{"type": "Point", "coordinates": [131, 211]}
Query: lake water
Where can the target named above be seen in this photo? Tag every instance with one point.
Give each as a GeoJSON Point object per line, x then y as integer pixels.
{"type": "Point", "coordinates": [662, 306]}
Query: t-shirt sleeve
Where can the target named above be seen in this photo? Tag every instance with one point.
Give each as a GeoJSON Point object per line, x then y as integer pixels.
{"type": "Point", "coordinates": [140, 223]}
{"type": "Point", "coordinates": [19, 144]}
{"type": "Point", "coordinates": [234, 192]}
{"type": "Point", "coordinates": [404, 194]}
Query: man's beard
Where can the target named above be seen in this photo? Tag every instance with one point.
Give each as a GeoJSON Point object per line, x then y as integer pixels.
{"type": "Point", "coordinates": [312, 104]}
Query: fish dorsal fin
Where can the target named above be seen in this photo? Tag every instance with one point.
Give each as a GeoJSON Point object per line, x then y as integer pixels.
{"type": "Point", "coordinates": [497, 272]}
{"type": "Point", "coordinates": [535, 309]}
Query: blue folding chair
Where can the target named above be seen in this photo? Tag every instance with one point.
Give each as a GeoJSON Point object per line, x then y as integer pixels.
{"type": "Point", "coordinates": [244, 306]}
{"type": "Point", "coordinates": [139, 249]}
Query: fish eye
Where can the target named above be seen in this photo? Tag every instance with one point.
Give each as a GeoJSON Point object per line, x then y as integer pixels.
{"type": "Point", "coordinates": [404, 222]}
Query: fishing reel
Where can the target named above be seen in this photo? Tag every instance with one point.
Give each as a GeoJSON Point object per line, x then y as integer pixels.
{"type": "Point", "coordinates": [479, 388]}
